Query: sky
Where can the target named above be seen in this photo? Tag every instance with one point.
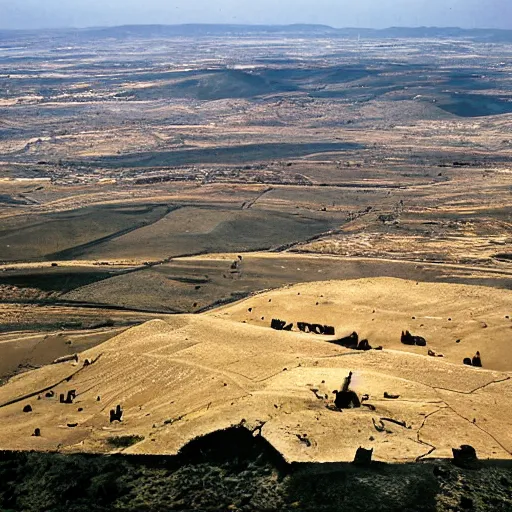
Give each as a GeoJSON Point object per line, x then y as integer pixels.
{"type": "Point", "coordinates": [28, 14]}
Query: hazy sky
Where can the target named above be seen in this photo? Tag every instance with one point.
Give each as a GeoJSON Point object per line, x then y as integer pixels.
{"type": "Point", "coordinates": [338, 13]}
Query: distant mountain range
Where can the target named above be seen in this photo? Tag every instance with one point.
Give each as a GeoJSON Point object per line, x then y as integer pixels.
{"type": "Point", "coordinates": [303, 30]}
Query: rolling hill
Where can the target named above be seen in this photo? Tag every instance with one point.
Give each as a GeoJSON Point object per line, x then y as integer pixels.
{"type": "Point", "coordinates": [191, 375]}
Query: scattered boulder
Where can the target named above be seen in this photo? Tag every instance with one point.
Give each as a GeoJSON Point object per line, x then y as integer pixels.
{"type": "Point", "coordinates": [37, 433]}
{"type": "Point", "coordinates": [350, 341]}
{"type": "Point", "coordinates": [71, 395]}
{"type": "Point", "coordinates": [27, 408]}
{"type": "Point", "coordinates": [390, 397]}
{"type": "Point", "coordinates": [408, 339]}
{"type": "Point", "coordinates": [364, 345]}
{"type": "Point", "coordinates": [477, 361]}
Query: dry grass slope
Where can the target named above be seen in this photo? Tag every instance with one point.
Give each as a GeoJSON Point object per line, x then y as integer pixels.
{"type": "Point", "coordinates": [191, 375]}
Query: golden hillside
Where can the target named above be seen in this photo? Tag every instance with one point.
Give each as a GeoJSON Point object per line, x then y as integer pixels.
{"type": "Point", "coordinates": [191, 375]}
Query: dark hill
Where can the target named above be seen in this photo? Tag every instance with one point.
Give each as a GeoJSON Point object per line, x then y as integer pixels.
{"type": "Point", "coordinates": [215, 85]}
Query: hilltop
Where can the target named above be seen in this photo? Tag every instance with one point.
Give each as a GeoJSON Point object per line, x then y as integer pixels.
{"type": "Point", "coordinates": [191, 375]}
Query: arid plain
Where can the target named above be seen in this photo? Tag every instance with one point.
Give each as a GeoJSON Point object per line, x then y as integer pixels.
{"type": "Point", "coordinates": [163, 198]}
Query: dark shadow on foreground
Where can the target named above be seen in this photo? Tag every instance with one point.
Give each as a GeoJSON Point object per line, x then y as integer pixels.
{"type": "Point", "coordinates": [235, 470]}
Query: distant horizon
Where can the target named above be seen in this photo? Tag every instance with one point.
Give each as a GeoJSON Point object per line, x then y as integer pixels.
{"type": "Point", "coordinates": [213, 24]}
{"type": "Point", "coordinates": [374, 14]}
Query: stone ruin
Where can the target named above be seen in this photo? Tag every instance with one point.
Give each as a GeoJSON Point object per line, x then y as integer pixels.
{"type": "Point", "coordinates": [364, 345]}
{"type": "Point", "coordinates": [116, 414]}
{"type": "Point", "coordinates": [327, 330]}
{"type": "Point", "coordinates": [281, 325]}
{"type": "Point", "coordinates": [475, 361]}
{"type": "Point", "coordinates": [352, 341]}
{"type": "Point", "coordinates": [346, 398]}
{"type": "Point", "coordinates": [408, 339]}
{"type": "Point", "coordinates": [71, 395]}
